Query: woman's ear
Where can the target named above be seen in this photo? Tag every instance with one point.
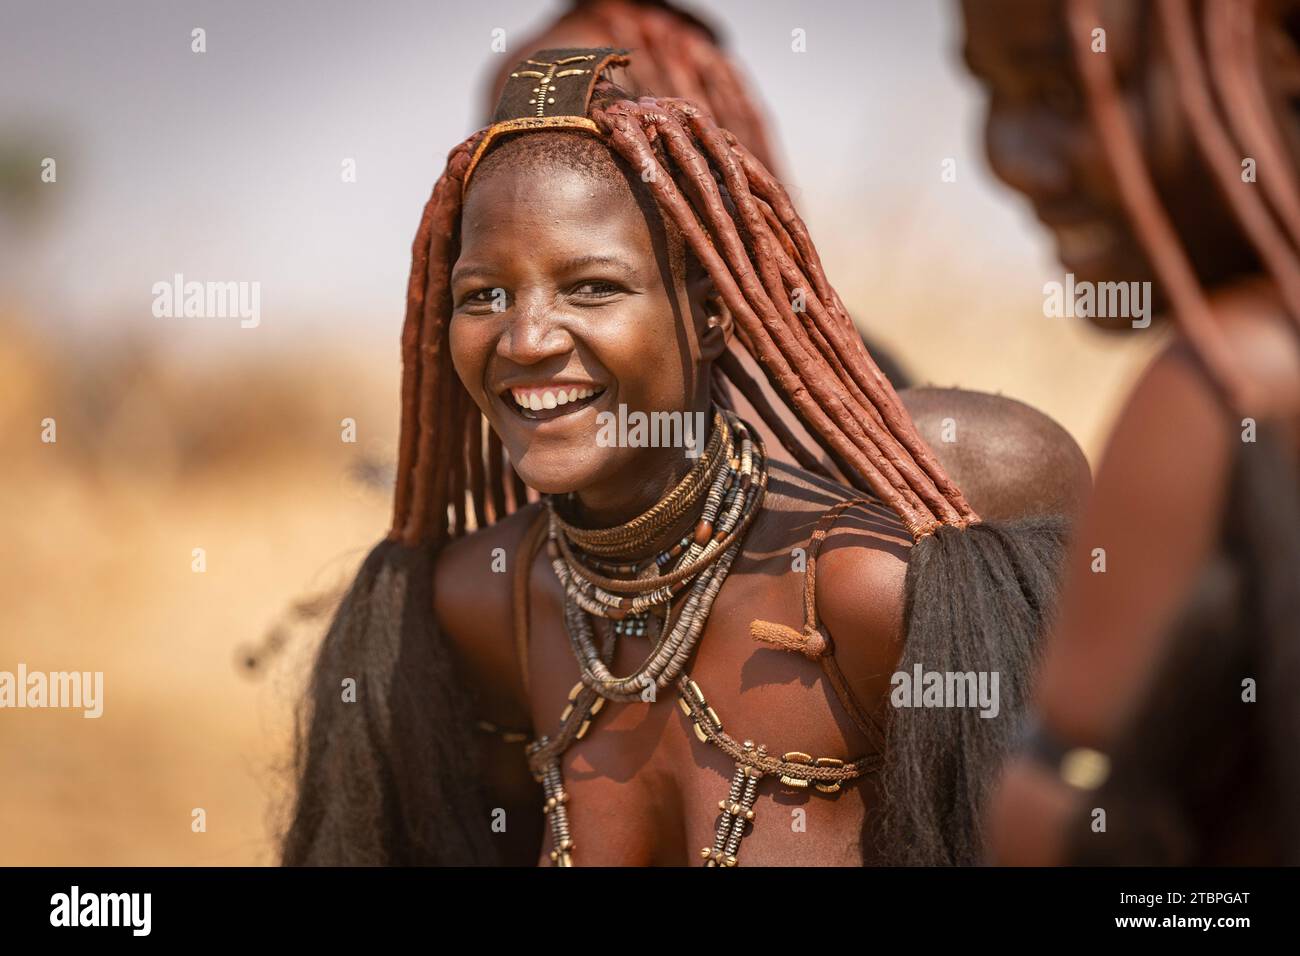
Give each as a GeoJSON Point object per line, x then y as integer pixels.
{"type": "Point", "coordinates": [714, 319]}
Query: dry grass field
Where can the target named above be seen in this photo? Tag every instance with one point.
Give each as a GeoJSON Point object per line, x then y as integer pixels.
{"type": "Point", "coordinates": [99, 531]}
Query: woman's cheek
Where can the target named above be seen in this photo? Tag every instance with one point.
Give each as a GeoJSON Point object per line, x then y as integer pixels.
{"type": "Point", "coordinates": [468, 356]}
{"type": "Point", "coordinates": [658, 349]}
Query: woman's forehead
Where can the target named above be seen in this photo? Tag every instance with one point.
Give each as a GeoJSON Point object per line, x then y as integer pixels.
{"type": "Point", "coordinates": [571, 149]}
{"type": "Point", "coordinates": [550, 198]}
{"type": "Point", "coordinates": [553, 216]}
{"type": "Point", "coordinates": [563, 188]}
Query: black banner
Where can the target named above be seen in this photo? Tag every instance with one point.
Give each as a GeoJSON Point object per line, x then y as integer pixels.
{"type": "Point", "coordinates": [485, 906]}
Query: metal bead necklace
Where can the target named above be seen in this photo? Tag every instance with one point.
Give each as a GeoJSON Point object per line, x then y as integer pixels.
{"type": "Point", "coordinates": [730, 480]}
{"type": "Point", "coordinates": [730, 503]}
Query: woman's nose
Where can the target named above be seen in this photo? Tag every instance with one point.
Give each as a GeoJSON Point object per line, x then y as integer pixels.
{"type": "Point", "coordinates": [535, 331]}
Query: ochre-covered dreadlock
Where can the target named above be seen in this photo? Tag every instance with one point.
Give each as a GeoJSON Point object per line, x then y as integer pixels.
{"type": "Point", "coordinates": [976, 596]}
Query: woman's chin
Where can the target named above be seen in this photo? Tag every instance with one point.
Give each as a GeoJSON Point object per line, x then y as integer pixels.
{"type": "Point", "coordinates": [550, 485]}
{"type": "Point", "coordinates": [556, 475]}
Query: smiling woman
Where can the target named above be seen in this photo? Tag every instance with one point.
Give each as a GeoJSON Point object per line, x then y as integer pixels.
{"type": "Point", "coordinates": [578, 321]}
{"type": "Point", "coordinates": [619, 254]}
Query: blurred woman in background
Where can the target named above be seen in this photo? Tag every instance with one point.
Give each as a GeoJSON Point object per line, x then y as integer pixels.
{"type": "Point", "coordinates": [1159, 143]}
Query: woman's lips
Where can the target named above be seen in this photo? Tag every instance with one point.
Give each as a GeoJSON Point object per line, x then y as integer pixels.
{"type": "Point", "coordinates": [539, 402]}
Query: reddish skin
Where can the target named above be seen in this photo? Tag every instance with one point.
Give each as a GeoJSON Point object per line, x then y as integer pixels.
{"type": "Point", "coordinates": [644, 790]}
{"type": "Point", "coordinates": [1161, 487]}
{"type": "Point", "coordinates": [1009, 459]}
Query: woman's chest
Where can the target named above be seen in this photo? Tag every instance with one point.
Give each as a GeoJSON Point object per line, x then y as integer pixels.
{"type": "Point", "coordinates": [643, 786]}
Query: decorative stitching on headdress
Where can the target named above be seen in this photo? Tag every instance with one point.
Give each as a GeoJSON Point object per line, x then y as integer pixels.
{"type": "Point", "coordinates": [522, 108]}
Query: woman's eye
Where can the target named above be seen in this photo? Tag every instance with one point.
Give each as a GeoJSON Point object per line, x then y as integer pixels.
{"type": "Point", "coordinates": [596, 289]}
{"type": "Point", "coordinates": [491, 298]}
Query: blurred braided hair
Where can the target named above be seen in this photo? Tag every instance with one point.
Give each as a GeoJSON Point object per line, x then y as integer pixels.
{"type": "Point", "coordinates": [1221, 90]}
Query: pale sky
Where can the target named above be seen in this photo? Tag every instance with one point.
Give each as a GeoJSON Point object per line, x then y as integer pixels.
{"type": "Point", "coordinates": [226, 165]}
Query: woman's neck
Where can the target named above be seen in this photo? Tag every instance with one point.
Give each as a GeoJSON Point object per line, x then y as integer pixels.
{"type": "Point", "coordinates": [596, 508]}
{"type": "Point", "coordinates": [620, 500]}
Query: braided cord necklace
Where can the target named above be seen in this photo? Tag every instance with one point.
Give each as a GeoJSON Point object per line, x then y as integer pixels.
{"type": "Point", "coordinates": [727, 484]}
{"type": "Point", "coordinates": [622, 538]}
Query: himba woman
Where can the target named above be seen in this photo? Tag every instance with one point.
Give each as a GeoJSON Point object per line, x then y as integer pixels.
{"type": "Point", "coordinates": [1010, 460]}
{"type": "Point", "coordinates": [666, 659]}
{"type": "Point", "coordinates": [1167, 725]}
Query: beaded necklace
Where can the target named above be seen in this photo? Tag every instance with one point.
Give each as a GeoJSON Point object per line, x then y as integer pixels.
{"type": "Point", "coordinates": [727, 485]}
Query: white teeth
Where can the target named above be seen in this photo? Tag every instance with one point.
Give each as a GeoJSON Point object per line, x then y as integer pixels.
{"type": "Point", "coordinates": [548, 399]}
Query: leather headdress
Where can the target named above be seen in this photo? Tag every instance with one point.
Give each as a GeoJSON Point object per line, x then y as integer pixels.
{"type": "Point", "coordinates": [551, 89]}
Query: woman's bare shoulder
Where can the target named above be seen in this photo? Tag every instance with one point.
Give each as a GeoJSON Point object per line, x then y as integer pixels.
{"type": "Point", "coordinates": [860, 569]}
{"type": "Point", "coordinates": [860, 589]}
{"type": "Point", "coordinates": [487, 551]}
{"type": "Point", "coordinates": [862, 560]}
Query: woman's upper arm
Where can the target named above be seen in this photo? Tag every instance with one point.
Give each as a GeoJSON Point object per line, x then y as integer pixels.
{"type": "Point", "coordinates": [1153, 519]}
{"type": "Point", "coordinates": [860, 597]}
